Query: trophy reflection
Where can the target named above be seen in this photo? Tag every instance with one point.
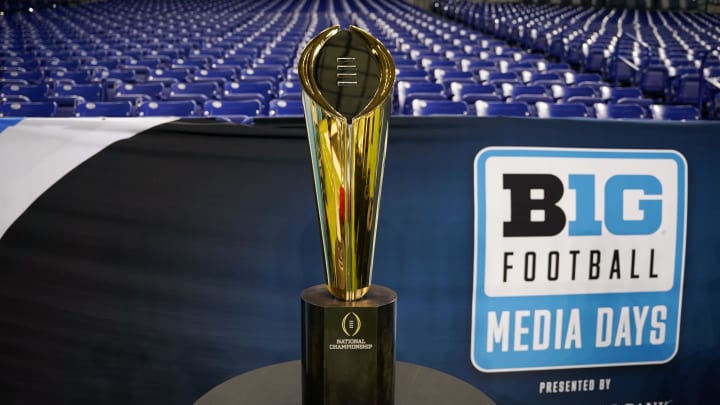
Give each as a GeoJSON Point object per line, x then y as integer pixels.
{"type": "Point", "coordinates": [347, 77]}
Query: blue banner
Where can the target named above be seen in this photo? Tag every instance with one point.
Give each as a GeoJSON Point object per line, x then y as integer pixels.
{"type": "Point", "coordinates": [171, 261]}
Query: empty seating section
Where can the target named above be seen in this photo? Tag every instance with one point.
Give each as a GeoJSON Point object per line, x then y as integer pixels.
{"type": "Point", "coordinates": [669, 56]}
{"type": "Point", "coordinates": [220, 58]}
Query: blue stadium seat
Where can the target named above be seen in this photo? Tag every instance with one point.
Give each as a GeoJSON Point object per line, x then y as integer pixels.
{"type": "Point", "coordinates": [198, 91]}
{"type": "Point", "coordinates": [471, 92]}
{"type": "Point", "coordinates": [654, 82]}
{"type": "Point", "coordinates": [149, 91]}
{"type": "Point", "coordinates": [104, 109]}
{"type": "Point", "coordinates": [594, 62]}
{"type": "Point", "coordinates": [264, 72]}
{"type": "Point", "coordinates": [273, 59]}
{"type": "Point", "coordinates": [559, 68]}
{"type": "Point", "coordinates": [563, 93]}
{"type": "Point", "coordinates": [422, 107]}
{"type": "Point", "coordinates": [408, 107]}
{"type": "Point", "coordinates": [686, 90]}
{"type": "Point", "coordinates": [182, 108]}
{"type": "Point", "coordinates": [189, 63]}
{"type": "Point", "coordinates": [433, 62]}
{"type": "Point", "coordinates": [248, 108]}
{"type": "Point", "coordinates": [426, 89]}
{"type": "Point", "coordinates": [86, 92]}
{"type": "Point", "coordinates": [34, 92]}
{"type": "Point", "coordinates": [474, 65]}
{"type": "Point", "coordinates": [7, 82]}
{"type": "Point", "coordinates": [33, 109]}
{"type": "Point", "coordinates": [14, 98]}
{"type": "Point", "coordinates": [519, 92]}
{"type": "Point", "coordinates": [532, 99]}
{"type": "Point", "coordinates": [79, 76]}
{"type": "Point", "coordinates": [621, 72]}
{"type": "Point", "coordinates": [518, 67]}
{"type": "Point", "coordinates": [406, 64]}
{"type": "Point", "coordinates": [674, 112]}
{"type": "Point", "coordinates": [448, 76]}
{"type": "Point", "coordinates": [578, 79]}
{"type": "Point", "coordinates": [289, 89]}
{"type": "Point", "coordinates": [500, 109]}
{"type": "Point", "coordinates": [411, 75]}
{"type": "Point", "coordinates": [280, 108]}
{"type": "Point", "coordinates": [531, 57]}
{"type": "Point", "coordinates": [588, 101]}
{"type": "Point", "coordinates": [240, 89]}
{"type": "Point", "coordinates": [168, 76]}
{"type": "Point", "coordinates": [619, 111]}
{"type": "Point", "coordinates": [218, 75]}
{"type": "Point", "coordinates": [499, 78]}
{"type": "Point", "coordinates": [614, 94]}
{"type": "Point", "coordinates": [545, 79]}
{"type": "Point", "coordinates": [33, 77]}
{"type": "Point", "coordinates": [292, 73]}
{"type": "Point", "coordinates": [644, 102]}
{"type": "Point", "coordinates": [550, 110]}
{"type": "Point", "coordinates": [122, 76]}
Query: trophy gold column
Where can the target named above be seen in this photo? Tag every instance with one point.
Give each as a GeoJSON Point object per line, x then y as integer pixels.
{"type": "Point", "coordinates": [347, 78]}
{"type": "Point", "coordinates": [348, 349]}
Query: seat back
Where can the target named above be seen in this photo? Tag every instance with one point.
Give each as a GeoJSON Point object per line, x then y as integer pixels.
{"type": "Point", "coordinates": [654, 80]}
{"type": "Point", "coordinates": [289, 89]}
{"type": "Point", "coordinates": [34, 92]}
{"type": "Point", "coordinates": [89, 92]}
{"type": "Point", "coordinates": [33, 109]}
{"type": "Point", "coordinates": [563, 93]}
{"type": "Point", "coordinates": [405, 88]}
{"type": "Point", "coordinates": [78, 76]}
{"type": "Point", "coordinates": [153, 90]}
{"type": "Point", "coordinates": [280, 108]}
{"type": "Point", "coordinates": [522, 90]}
{"type": "Point", "coordinates": [207, 88]}
{"type": "Point", "coordinates": [616, 93]}
{"type": "Point", "coordinates": [460, 90]}
{"type": "Point", "coordinates": [248, 108]}
{"type": "Point", "coordinates": [585, 100]}
{"type": "Point", "coordinates": [104, 109]}
{"type": "Point", "coordinates": [180, 108]}
{"type": "Point", "coordinates": [550, 110]}
{"type": "Point", "coordinates": [501, 109]}
{"type": "Point", "coordinates": [619, 111]}
{"type": "Point", "coordinates": [674, 112]}
{"type": "Point", "coordinates": [422, 107]}
{"type": "Point", "coordinates": [687, 90]}
{"type": "Point", "coordinates": [33, 77]}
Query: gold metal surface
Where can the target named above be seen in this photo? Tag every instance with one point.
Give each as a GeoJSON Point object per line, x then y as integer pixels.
{"type": "Point", "coordinates": [348, 160]}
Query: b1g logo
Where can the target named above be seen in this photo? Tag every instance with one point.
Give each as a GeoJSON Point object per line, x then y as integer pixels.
{"type": "Point", "coordinates": [550, 190]}
{"type": "Point", "coordinates": [579, 257]}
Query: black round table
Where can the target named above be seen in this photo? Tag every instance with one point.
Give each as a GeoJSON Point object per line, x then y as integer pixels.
{"type": "Point", "coordinates": [279, 384]}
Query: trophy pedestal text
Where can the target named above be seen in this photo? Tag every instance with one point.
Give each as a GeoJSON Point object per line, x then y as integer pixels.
{"type": "Point", "coordinates": [348, 348]}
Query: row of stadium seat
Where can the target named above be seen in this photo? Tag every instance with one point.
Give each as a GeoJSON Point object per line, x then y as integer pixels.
{"type": "Point", "coordinates": [159, 51]}
{"type": "Point", "coordinates": [674, 57]}
{"type": "Point", "coordinates": [418, 107]}
{"type": "Point", "coordinates": [180, 108]}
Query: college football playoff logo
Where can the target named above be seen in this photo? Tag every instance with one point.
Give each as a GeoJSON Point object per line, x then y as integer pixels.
{"type": "Point", "coordinates": [351, 324]}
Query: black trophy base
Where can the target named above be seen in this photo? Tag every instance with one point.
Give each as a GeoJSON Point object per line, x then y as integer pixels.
{"type": "Point", "coordinates": [348, 348]}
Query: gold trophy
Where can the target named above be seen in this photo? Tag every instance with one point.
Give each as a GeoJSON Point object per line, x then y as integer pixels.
{"type": "Point", "coordinates": [348, 352]}
{"type": "Point", "coordinates": [347, 78]}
